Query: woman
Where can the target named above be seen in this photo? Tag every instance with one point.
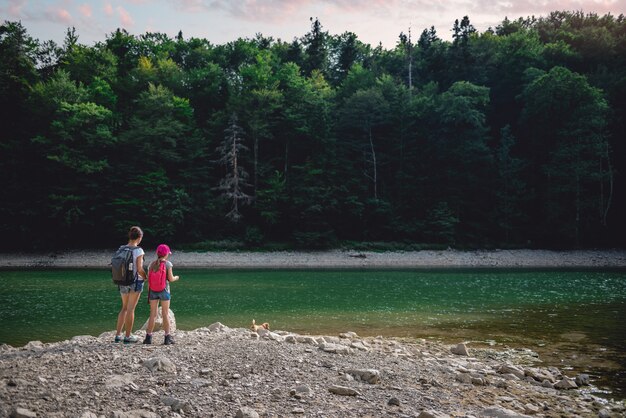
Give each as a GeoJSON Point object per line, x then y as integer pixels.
{"type": "Point", "coordinates": [130, 294]}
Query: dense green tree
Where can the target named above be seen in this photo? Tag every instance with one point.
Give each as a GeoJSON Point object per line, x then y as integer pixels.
{"type": "Point", "coordinates": [511, 190]}
{"type": "Point", "coordinates": [568, 119]}
{"type": "Point", "coordinates": [510, 136]}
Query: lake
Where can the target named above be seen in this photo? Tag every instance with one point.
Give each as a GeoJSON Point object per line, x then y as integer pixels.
{"type": "Point", "coordinates": [575, 319]}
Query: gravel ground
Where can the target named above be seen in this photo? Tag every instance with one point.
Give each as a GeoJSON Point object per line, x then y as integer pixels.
{"type": "Point", "coordinates": [336, 259]}
{"type": "Point", "coordinates": [217, 371]}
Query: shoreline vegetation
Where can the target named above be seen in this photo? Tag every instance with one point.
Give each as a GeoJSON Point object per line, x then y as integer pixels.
{"type": "Point", "coordinates": [613, 258]}
{"type": "Point", "coordinates": [219, 371]}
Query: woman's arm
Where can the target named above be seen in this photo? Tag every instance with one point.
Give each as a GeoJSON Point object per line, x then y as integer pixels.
{"type": "Point", "coordinates": [140, 270]}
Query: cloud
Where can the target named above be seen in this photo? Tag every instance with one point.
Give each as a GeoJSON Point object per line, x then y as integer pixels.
{"type": "Point", "coordinates": [85, 10]}
{"type": "Point", "coordinates": [125, 18]}
{"type": "Point", "coordinates": [282, 10]}
{"type": "Point", "coordinates": [13, 9]}
{"type": "Point", "coordinates": [108, 9]}
{"type": "Point", "coordinates": [518, 8]}
{"type": "Point", "coordinates": [59, 15]}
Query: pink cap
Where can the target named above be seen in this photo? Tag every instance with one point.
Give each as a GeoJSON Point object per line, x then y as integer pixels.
{"type": "Point", "coordinates": [163, 250]}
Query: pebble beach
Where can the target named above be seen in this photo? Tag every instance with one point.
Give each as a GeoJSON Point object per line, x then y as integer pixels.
{"type": "Point", "coordinates": [337, 259]}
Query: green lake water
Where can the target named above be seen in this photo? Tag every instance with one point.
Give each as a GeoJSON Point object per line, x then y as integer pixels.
{"type": "Point", "coordinates": [575, 320]}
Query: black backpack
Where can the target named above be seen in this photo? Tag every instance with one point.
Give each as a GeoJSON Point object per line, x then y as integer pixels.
{"type": "Point", "coordinates": [122, 266]}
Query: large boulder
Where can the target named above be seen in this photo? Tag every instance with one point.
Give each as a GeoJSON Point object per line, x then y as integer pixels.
{"type": "Point", "coordinates": [158, 323]}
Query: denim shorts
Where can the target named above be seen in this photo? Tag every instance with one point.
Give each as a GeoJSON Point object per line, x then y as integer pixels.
{"type": "Point", "coordinates": [136, 287]}
{"type": "Point", "coordinates": [162, 295]}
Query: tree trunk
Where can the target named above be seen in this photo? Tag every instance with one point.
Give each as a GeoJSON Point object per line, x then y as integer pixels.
{"type": "Point", "coordinates": [374, 163]}
{"type": "Point", "coordinates": [256, 163]}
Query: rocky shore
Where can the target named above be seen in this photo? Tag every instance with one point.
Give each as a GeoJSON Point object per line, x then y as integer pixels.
{"type": "Point", "coordinates": [217, 371]}
{"type": "Point", "coordinates": [338, 259]}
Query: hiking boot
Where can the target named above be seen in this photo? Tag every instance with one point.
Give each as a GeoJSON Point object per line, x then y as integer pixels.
{"type": "Point", "coordinates": [131, 339]}
{"type": "Point", "coordinates": [148, 339]}
{"type": "Point", "coordinates": [168, 340]}
{"type": "Point", "coordinates": [118, 338]}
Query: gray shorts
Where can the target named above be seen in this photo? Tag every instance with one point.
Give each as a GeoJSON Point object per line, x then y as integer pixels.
{"type": "Point", "coordinates": [136, 287]}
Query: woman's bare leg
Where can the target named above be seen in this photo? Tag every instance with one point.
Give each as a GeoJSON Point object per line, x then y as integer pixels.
{"type": "Point", "coordinates": [121, 317]}
{"type": "Point", "coordinates": [133, 298]}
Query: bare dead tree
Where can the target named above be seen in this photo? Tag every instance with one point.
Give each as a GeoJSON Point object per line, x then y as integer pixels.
{"type": "Point", "coordinates": [233, 184]}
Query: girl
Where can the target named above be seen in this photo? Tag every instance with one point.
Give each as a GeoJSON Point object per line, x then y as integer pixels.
{"type": "Point", "coordinates": [130, 294]}
{"type": "Point", "coordinates": [159, 277]}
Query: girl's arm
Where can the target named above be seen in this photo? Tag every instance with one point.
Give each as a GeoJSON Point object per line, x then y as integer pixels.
{"type": "Point", "coordinates": [170, 275]}
{"type": "Point", "coordinates": [140, 270]}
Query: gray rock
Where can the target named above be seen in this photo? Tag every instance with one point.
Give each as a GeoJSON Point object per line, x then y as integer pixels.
{"type": "Point", "coordinates": [348, 334]}
{"type": "Point", "coordinates": [6, 347]}
{"type": "Point", "coordinates": [291, 339]}
{"type": "Point", "coordinates": [158, 322]}
{"type": "Point", "coordinates": [22, 413]}
{"type": "Point", "coordinates": [479, 381]}
{"type": "Point", "coordinates": [200, 383]}
{"type": "Point", "coordinates": [540, 375]}
{"type": "Point", "coordinates": [297, 411]}
{"type": "Point", "coordinates": [34, 346]}
{"type": "Point", "coordinates": [464, 378]}
{"type": "Point", "coordinates": [218, 327]}
{"type": "Point", "coordinates": [582, 379]}
{"type": "Point", "coordinates": [531, 409]}
{"type": "Point", "coordinates": [371, 376]}
{"type": "Point", "coordinates": [509, 369]}
{"type": "Point", "coordinates": [160, 364]}
{"type": "Point", "coordinates": [604, 413]}
{"type": "Point", "coordinates": [432, 414]}
{"type": "Point", "coordinates": [275, 336]}
{"type": "Point", "coordinates": [497, 412]}
{"type": "Point", "coordinates": [334, 348]}
{"type": "Point", "coordinates": [342, 390]}
{"type": "Point", "coordinates": [347, 377]}
{"type": "Point", "coordinates": [547, 384]}
{"type": "Point", "coordinates": [137, 413]}
{"type": "Point", "coordinates": [246, 412]}
{"type": "Point", "coordinates": [17, 382]}
{"type": "Point", "coordinates": [303, 389]}
{"type": "Point", "coordinates": [359, 346]}
{"type": "Point", "coordinates": [118, 381]}
{"type": "Point", "coordinates": [393, 401]}
{"type": "Point", "coordinates": [84, 339]}
{"type": "Point", "coordinates": [566, 383]}
{"type": "Point", "coordinates": [460, 350]}
{"type": "Point", "coordinates": [176, 404]}
{"type": "Point", "coordinates": [305, 339]}
{"type": "Point", "coordinates": [510, 376]}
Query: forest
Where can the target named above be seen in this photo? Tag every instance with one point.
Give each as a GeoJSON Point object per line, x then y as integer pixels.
{"type": "Point", "coordinates": [513, 137]}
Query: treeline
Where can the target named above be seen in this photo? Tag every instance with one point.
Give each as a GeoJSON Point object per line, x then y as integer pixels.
{"type": "Point", "coordinates": [510, 137]}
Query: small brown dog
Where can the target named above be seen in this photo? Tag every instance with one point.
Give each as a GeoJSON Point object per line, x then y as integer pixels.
{"type": "Point", "coordinates": [254, 327]}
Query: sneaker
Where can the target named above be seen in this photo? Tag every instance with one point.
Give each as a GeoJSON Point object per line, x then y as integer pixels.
{"type": "Point", "coordinates": [148, 339]}
{"type": "Point", "coordinates": [168, 340]}
{"type": "Point", "coordinates": [131, 339]}
{"type": "Point", "coordinates": [118, 338]}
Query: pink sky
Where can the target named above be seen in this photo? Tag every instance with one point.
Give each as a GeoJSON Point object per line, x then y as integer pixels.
{"type": "Point", "coordinates": [221, 21]}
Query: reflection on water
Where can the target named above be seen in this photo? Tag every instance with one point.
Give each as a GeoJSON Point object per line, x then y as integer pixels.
{"type": "Point", "coordinates": [574, 319]}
